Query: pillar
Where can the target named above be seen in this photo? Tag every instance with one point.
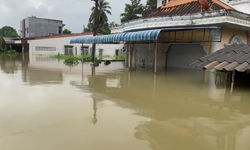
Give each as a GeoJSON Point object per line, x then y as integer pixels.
{"type": "Point", "coordinates": [23, 48]}
{"type": "Point", "coordinates": [127, 55]}
{"type": "Point", "coordinates": [156, 57]}
{"type": "Point", "coordinates": [130, 56]}
{"type": "Point", "coordinates": [215, 38]}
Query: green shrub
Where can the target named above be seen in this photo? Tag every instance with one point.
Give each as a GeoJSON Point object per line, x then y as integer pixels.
{"type": "Point", "coordinates": [58, 56]}
{"type": "Point", "coordinates": [105, 56]}
{"type": "Point", "coordinates": [85, 58]}
{"type": "Point", "coordinates": [1, 48]}
{"type": "Point", "coordinates": [119, 57]}
{"type": "Point", "coordinates": [11, 52]}
{"type": "Point", "coordinates": [71, 61]}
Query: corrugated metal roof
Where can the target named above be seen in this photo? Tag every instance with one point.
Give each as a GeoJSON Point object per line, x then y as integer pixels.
{"type": "Point", "coordinates": [234, 57]}
{"type": "Point", "coordinates": [183, 7]}
{"type": "Point", "coordinates": [144, 35]}
{"type": "Point", "coordinates": [148, 35]}
{"type": "Point", "coordinates": [9, 40]}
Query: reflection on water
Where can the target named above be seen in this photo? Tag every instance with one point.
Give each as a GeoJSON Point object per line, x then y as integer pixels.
{"type": "Point", "coordinates": [45, 106]}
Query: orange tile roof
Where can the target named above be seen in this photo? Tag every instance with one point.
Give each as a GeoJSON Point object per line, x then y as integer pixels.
{"type": "Point", "coordinates": [222, 4]}
{"type": "Point", "coordinates": [184, 7]}
{"type": "Point", "coordinates": [174, 3]}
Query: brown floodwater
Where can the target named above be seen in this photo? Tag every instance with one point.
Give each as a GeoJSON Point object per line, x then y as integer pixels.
{"type": "Point", "coordinates": [45, 105]}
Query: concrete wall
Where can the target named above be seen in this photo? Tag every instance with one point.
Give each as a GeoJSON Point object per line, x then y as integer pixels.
{"type": "Point", "coordinates": [229, 33]}
{"type": "Point", "coordinates": [241, 5]}
{"type": "Point", "coordinates": [159, 3]}
{"type": "Point", "coordinates": [59, 44]}
{"type": "Point", "coordinates": [41, 27]}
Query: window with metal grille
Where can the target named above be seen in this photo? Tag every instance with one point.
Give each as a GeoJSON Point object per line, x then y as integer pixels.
{"type": "Point", "coordinates": [85, 50]}
{"type": "Point", "coordinates": [100, 52]}
{"type": "Point", "coordinates": [41, 48]}
{"type": "Point", "coordinates": [68, 50]}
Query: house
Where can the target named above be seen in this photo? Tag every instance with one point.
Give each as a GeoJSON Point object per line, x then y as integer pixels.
{"type": "Point", "coordinates": [34, 27]}
{"type": "Point", "coordinates": [187, 30]}
{"type": "Point", "coordinates": [10, 43]}
{"type": "Point", "coordinates": [52, 45]}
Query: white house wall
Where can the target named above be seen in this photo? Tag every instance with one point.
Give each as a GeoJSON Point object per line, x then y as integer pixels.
{"type": "Point", "coordinates": [243, 6]}
{"type": "Point", "coordinates": [59, 43]}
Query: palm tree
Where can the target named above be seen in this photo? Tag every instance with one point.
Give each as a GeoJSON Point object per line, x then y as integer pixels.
{"type": "Point", "coordinates": [113, 24]}
{"type": "Point", "coordinates": [103, 10]}
{"type": "Point", "coordinates": [132, 11]}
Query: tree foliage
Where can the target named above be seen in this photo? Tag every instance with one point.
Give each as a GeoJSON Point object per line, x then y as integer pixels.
{"type": "Point", "coordinates": [1, 46]}
{"type": "Point", "coordinates": [66, 31]}
{"type": "Point", "coordinates": [150, 6]}
{"type": "Point", "coordinates": [113, 24]}
{"type": "Point", "coordinates": [102, 18]}
{"type": "Point", "coordinates": [8, 31]}
{"type": "Point", "coordinates": [136, 10]}
{"type": "Point", "coordinates": [132, 11]}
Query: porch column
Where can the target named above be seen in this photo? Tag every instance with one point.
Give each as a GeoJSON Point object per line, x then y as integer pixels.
{"type": "Point", "coordinates": [130, 56]}
{"type": "Point", "coordinates": [156, 57]}
{"type": "Point", "coordinates": [215, 38]}
{"type": "Point", "coordinates": [126, 55]}
{"type": "Point", "coordinates": [22, 48]}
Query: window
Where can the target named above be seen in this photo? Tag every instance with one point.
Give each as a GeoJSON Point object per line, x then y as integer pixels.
{"type": "Point", "coordinates": [100, 52]}
{"type": "Point", "coordinates": [68, 50]}
{"type": "Point", "coordinates": [165, 1]}
{"type": "Point", "coordinates": [60, 30]}
{"type": "Point", "coordinates": [117, 52]}
{"type": "Point", "coordinates": [85, 50]}
{"type": "Point", "coordinates": [40, 48]}
{"type": "Point", "coordinates": [236, 40]}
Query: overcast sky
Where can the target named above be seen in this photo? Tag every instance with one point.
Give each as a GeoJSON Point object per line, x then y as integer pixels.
{"type": "Point", "coordinates": [74, 13]}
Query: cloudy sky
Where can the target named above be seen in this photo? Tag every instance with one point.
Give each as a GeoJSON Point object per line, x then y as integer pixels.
{"type": "Point", "coordinates": [74, 13]}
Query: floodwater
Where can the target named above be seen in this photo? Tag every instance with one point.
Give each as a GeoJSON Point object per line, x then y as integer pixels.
{"type": "Point", "coordinates": [47, 106]}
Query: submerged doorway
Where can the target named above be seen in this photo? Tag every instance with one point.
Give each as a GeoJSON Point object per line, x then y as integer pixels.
{"type": "Point", "coordinates": [181, 55]}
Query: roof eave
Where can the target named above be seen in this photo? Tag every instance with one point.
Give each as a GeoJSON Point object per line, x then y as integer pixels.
{"type": "Point", "coordinates": [190, 19]}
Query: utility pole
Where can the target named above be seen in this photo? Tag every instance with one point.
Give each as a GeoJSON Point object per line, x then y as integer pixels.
{"type": "Point", "coordinates": [95, 26]}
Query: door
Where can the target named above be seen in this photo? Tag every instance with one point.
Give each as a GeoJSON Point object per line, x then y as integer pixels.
{"type": "Point", "coordinates": [144, 56]}
{"type": "Point", "coordinates": [182, 55]}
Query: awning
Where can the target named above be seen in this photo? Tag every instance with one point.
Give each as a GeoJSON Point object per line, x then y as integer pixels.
{"type": "Point", "coordinates": [148, 35]}
{"type": "Point", "coordinates": [145, 35]}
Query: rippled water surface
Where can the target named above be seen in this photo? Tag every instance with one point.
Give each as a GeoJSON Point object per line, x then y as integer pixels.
{"type": "Point", "coordinates": [45, 105]}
